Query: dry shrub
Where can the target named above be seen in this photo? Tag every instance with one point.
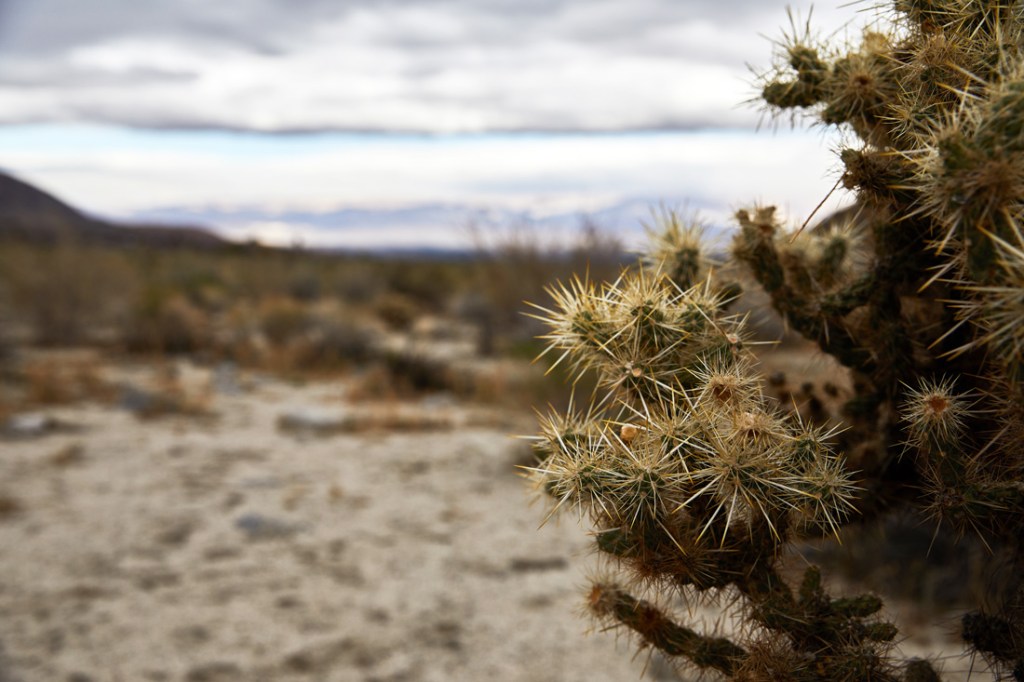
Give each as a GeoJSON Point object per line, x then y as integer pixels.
{"type": "Point", "coordinates": [61, 381]}
{"type": "Point", "coordinates": [394, 420]}
{"type": "Point", "coordinates": [416, 373]}
{"type": "Point", "coordinates": [46, 384]}
{"type": "Point", "coordinates": [398, 312]}
{"type": "Point", "coordinates": [303, 338]}
{"type": "Point", "coordinates": [517, 263]}
{"type": "Point", "coordinates": [506, 382]}
{"type": "Point", "coordinates": [67, 293]}
{"type": "Point", "coordinates": [236, 334]}
{"type": "Point", "coordinates": [305, 286]}
{"type": "Point", "coordinates": [90, 383]}
{"type": "Point", "coordinates": [6, 411]}
{"type": "Point", "coordinates": [167, 322]}
{"type": "Point", "coordinates": [427, 282]}
{"type": "Point", "coordinates": [375, 383]}
{"type": "Point", "coordinates": [357, 282]}
{"type": "Point", "coordinates": [173, 398]}
{"type": "Point", "coordinates": [7, 347]}
{"type": "Point", "coordinates": [404, 376]}
{"type": "Point", "coordinates": [282, 319]}
{"type": "Point", "coordinates": [330, 339]}
{"type": "Point", "coordinates": [331, 344]}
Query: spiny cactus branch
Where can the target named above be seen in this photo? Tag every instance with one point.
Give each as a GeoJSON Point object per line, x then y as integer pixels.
{"type": "Point", "coordinates": [697, 482]}
{"type": "Point", "coordinates": [610, 602]}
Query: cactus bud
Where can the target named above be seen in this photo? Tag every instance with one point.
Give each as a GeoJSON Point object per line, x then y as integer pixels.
{"type": "Point", "coordinates": [935, 414]}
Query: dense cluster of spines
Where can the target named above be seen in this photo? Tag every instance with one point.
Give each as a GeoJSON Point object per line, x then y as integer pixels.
{"type": "Point", "coordinates": [939, 177]}
{"type": "Point", "coordinates": [695, 481]}
{"type": "Point", "coordinates": [691, 476]}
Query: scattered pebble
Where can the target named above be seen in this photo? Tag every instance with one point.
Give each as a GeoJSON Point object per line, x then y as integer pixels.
{"type": "Point", "coordinates": [315, 421]}
{"type": "Point", "coordinates": [259, 527]}
{"type": "Point", "coordinates": [31, 425]}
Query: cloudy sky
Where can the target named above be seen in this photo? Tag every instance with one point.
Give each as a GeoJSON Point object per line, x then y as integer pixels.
{"type": "Point", "coordinates": [265, 117]}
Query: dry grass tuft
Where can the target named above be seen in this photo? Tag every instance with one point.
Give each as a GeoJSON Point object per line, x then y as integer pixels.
{"type": "Point", "coordinates": [60, 381]}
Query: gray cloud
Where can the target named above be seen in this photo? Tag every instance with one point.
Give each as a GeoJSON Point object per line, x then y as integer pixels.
{"type": "Point", "coordinates": [412, 65]}
{"type": "Point", "coordinates": [49, 74]}
{"type": "Point", "coordinates": [40, 27]}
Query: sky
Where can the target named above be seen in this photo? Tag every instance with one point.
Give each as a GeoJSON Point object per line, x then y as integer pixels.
{"type": "Point", "coordinates": [355, 122]}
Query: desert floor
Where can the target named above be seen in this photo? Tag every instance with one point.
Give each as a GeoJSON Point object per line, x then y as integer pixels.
{"type": "Point", "coordinates": [290, 534]}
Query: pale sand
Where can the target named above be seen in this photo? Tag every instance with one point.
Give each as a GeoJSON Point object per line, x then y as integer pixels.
{"type": "Point", "coordinates": [227, 550]}
{"type": "Point", "coordinates": [183, 549]}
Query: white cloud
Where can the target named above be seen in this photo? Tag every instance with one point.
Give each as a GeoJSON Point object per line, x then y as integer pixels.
{"type": "Point", "coordinates": [426, 66]}
{"type": "Point", "coordinates": [386, 65]}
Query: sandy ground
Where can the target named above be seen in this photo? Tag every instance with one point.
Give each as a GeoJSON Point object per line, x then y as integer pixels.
{"type": "Point", "coordinates": [209, 550]}
{"type": "Point", "coordinates": [229, 549]}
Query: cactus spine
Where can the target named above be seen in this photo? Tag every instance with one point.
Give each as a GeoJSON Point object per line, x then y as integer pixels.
{"type": "Point", "coordinates": [695, 481]}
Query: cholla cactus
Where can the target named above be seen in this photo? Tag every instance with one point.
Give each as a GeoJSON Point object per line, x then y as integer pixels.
{"type": "Point", "coordinates": [696, 482]}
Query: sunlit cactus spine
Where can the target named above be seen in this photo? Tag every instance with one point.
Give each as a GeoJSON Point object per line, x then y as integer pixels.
{"type": "Point", "coordinates": [696, 482]}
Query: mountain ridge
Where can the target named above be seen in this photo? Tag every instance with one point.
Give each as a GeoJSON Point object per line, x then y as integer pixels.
{"type": "Point", "coordinates": [28, 213]}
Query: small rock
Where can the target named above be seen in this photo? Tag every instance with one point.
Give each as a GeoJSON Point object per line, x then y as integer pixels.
{"type": "Point", "coordinates": [441, 400]}
{"type": "Point", "coordinates": [225, 379]}
{"type": "Point", "coordinates": [316, 421]}
{"type": "Point", "coordinates": [30, 425]}
{"type": "Point", "coordinates": [136, 400]}
{"type": "Point", "coordinates": [528, 565]}
{"type": "Point", "coordinates": [259, 527]}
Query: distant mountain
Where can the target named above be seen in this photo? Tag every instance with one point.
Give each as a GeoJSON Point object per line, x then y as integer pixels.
{"type": "Point", "coordinates": [428, 230]}
{"type": "Point", "coordinates": [439, 228]}
{"type": "Point", "coordinates": [28, 213]}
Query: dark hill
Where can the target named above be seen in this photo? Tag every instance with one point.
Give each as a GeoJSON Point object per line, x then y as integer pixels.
{"type": "Point", "coordinates": [30, 214]}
